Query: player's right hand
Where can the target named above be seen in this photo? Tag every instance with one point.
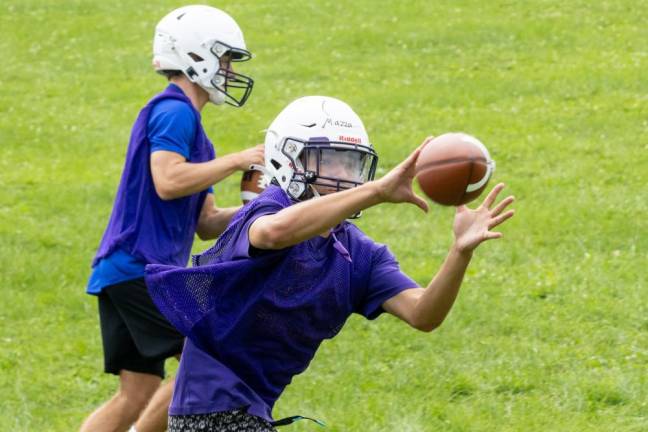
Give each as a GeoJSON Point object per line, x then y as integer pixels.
{"type": "Point", "coordinates": [396, 185]}
{"type": "Point", "coordinates": [252, 156]}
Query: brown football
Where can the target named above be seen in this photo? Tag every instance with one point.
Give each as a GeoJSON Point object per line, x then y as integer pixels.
{"type": "Point", "coordinates": [251, 185]}
{"type": "Point", "coordinates": [454, 169]}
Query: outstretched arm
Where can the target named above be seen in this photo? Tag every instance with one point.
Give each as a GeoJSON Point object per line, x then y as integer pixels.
{"type": "Point", "coordinates": [425, 309]}
{"type": "Point", "coordinates": [308, 219]}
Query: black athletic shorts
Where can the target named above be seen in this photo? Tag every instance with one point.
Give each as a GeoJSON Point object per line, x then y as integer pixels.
{"type": "Point", "coordinates": [136, 336]}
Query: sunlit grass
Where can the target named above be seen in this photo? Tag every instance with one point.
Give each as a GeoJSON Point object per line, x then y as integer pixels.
{"type": "Point", "coordinates": [551, 328]}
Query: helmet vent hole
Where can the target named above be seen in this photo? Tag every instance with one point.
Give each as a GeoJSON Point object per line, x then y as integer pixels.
{"type": "Point", "coordinates": [276, 165]}
{"type": "Point", "coordinates": [195, 57]}
{"type": "Point", "coordinates": [191, 73]}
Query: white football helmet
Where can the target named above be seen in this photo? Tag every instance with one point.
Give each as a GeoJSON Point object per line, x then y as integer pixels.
{"type": "Point", "coordinates": [318, 141]}
{"type": "Point", "coordinates": [192, 39]}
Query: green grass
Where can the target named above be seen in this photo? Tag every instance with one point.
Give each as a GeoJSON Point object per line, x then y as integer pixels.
{"type": "Point", "coordinates": [550, 331]}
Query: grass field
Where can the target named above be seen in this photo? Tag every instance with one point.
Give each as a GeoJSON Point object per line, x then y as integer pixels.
{"type": "Point", "coordinates": [550, 332]}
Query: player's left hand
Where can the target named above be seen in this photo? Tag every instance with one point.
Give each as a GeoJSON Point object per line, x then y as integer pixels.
{"type": "Point", "coordinates": [472, 227]}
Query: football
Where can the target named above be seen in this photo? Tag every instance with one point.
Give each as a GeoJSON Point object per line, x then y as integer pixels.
{"type": "Point", "coordinates": [454, 169]}
{"type": "Point", "coordinates": [252, 183]}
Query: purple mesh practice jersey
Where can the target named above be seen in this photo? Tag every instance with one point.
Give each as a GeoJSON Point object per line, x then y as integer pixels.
{"type": "Point", "coordinates": [254, 319]}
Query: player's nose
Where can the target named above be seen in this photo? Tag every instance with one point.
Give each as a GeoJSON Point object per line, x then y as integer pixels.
{"type": "Point", "coordinates": [339, 171]}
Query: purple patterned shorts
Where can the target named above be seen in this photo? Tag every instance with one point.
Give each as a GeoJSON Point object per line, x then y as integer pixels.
{"type": "Point", "coordinates": [225, 421]}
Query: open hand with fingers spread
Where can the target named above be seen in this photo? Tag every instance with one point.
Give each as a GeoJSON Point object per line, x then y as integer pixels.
{"type": "Point", "coordinates": [396, 185]}
{"type": "Point", "coordinates": [472, 227]}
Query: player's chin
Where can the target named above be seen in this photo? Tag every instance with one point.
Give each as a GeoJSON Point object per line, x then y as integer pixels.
{"type": "Point", "coordinates": [326, 190]}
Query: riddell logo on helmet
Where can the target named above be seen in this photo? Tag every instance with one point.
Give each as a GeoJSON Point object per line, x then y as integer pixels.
{"type": "Point", "coordinates": [349, 139]}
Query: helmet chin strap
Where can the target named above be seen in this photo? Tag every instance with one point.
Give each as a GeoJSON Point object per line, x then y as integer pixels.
{"type": "Point", "coordinates": [314, 190]}
{"type": "Point", "coordinates": [215, 96]}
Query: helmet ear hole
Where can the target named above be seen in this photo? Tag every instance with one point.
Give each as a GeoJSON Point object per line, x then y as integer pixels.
{"type": "Point", "coordinates": [191, 74]}
{"type": "Point", "coordinates": [276, 165]}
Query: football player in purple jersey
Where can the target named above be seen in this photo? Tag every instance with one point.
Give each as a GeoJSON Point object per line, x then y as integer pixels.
{"type": "Point", "coordinates": [291, 268]}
